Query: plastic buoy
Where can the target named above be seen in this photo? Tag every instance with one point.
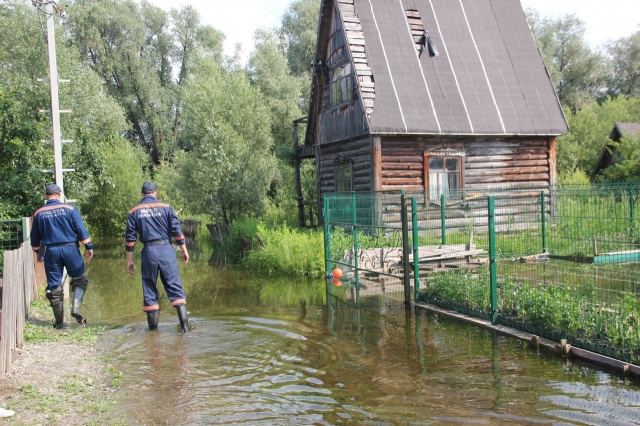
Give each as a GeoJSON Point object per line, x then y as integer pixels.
{"type": "Point", "coordinates": [337, 273]}
{"type": "Point", "coordinates": [337, 282]}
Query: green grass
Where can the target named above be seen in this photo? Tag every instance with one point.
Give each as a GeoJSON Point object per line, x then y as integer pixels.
{"type": "Point", "coordinates": [287, 251]}
{"type": "Point", "coordinates": [39, 329]}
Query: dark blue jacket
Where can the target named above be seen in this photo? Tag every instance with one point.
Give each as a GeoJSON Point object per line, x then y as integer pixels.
{"type": "Point", "coordinates": [57, 223]}
{"type": "Point", "coordinates": [153, 220]}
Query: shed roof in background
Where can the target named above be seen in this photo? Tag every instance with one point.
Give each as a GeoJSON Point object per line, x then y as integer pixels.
{"type": "Point", "coordinates": [488, 79]}
{"type": "Point", "coordinates": [624, 129]}
{"type": "Point", "coordinates": [608, 157]}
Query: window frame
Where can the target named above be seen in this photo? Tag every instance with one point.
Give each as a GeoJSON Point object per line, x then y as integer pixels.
{"type": "Point", "coordinates": [340, 164]}
{"type": "Point", "coordinates": [349, 82]}
{"type": "Point", "coordinates": [445, 154]}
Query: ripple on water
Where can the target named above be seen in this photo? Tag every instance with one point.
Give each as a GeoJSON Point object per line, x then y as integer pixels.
{"type": "Point", "coordinates": [258, 373]}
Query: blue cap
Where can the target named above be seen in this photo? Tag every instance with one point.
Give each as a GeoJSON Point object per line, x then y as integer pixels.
{"type": "Point", "coordinates": [53, 189]}
{"type": "Point", "coordinates": [148, 187]}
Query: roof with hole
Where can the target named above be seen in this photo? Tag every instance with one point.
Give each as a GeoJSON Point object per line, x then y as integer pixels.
{"type": "Point", "coordinates": [487, 78]}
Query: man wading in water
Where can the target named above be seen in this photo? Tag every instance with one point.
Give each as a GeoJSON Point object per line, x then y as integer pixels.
{"type": "Point", "coordinates": [156, 223]}
{"type": "Point", "coordinates": [58, 227]}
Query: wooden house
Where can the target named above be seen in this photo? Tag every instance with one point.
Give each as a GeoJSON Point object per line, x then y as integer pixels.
{"type": "Point", "coordinates": [610, 156]}
{"type": "Point", "coordinates": [429, 95]}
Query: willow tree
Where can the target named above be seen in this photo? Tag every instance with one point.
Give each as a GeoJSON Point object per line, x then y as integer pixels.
{"type": "Point", "coordinates": [578, 73]}
{"type": "Point", "coordinates": [228, 163]}
{"type": "Point", "coordinates": [144, 57]}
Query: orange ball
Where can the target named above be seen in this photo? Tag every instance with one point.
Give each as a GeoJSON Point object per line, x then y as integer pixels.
{"type": "Point", "coordinates": [337, 282]}
{"type": "Point", "coordinates": [337, 273]}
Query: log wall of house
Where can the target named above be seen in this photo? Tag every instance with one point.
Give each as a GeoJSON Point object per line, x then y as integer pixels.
{"type": "Point", "coordinates": [357, 151]}
{"type": "Point", "coordinates": [505, 161]}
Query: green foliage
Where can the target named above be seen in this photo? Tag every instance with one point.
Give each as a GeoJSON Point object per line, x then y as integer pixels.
{"type": "Point", "coordinates": [573, 311]}
{"type": "Point", "coordinates": [577, 73]}
{"type": "Point", "coordinates": [38, 333]}
{"type": "Point", "coordinates": [298, 34]}
{"type": "Point", "coordinates": [628, 149]}
{"type": "Point", "coordinates": [23, 158]}
{"type": "Point", "coordinates": [625, 58]}
{"type": "Point", "coordinates": [288, 251]}
{"type": "Point", "coordinates": [228, 166]}
{"type": "Point", "coordinates": [590, 129]}
{"type": "Point", "coordinates": [144, 57]}
{"type": "Point", "coordinates": [280, 89]}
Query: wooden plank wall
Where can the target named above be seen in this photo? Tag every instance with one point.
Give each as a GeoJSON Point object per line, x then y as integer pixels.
{"type": "Point", "coordinates": [347, 120]}
{"type": "Point", "coordinates": [18, 291]}
{"type": "Point", "coordinates": [359, 151]}
{"type": "Point", "coordinates": [501, 161]}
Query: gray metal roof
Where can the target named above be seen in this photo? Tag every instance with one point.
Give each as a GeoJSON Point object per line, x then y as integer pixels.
{"type": "Point", "coordinates": [625, 129]}
{"type": "Point", "coordinates": [488, 78]}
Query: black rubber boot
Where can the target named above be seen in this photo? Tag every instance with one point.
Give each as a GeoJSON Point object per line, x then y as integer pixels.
{"type": "Point", "coordinates": [56, 299]}
{"type": "Point", "coordinates": [78, 294]}
{"type": "Point", "coordinates": [183, 317]}
{"type": "Point", "coordinates": [152, 319]}
{"type": "Point", "coordinates": [78, 288]}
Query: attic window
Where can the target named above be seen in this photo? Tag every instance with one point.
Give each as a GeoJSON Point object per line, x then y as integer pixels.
{"type": "Point", "coordinates": [341, 84]}
{"type": "Point", "coordinates": [419, 33]}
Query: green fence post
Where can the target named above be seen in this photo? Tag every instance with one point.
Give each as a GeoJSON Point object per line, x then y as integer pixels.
{"type": "Point", "coordinates": [25, 229]}
{"type": "Point", "coordinates": [355, 240]}
{"type": "Point", "coordinates": [416, 263]}
{"type": "Point", "coordinates": [544, 222]}
{"type": "Point", "coordinates": [327, 236]}
{"type": "Point", "coordinates": [405, 247]}
{"type": "Point", "coordinates": [492, 263]}
{"type": "Point", "coordinates": [442, 220]}
{"type": "Point", "coordinates": [632, 206]}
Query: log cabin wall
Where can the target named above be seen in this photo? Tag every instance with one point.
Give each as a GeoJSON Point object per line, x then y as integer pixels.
{"type": "Point", "coordinates": [357, 152]}
{"type": "Point", "coordinates": [501, 161]}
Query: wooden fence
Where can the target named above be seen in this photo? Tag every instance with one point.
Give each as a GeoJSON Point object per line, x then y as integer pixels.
{"type": "Point", "coordinates": [19, 289]}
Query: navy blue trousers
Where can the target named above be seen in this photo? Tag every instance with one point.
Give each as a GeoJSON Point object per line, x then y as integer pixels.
{"type": "Point", "coordinates": [58, 257]}
{"type": "Point", "coordinates": [160, 259]}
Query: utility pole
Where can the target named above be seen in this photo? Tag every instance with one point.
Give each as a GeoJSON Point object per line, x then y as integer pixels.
{"type": "Point", "coordinates": [51, 9]}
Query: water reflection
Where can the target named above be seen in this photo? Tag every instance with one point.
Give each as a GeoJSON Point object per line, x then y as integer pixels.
{"type": "Point", "coordinates": [288, 352]}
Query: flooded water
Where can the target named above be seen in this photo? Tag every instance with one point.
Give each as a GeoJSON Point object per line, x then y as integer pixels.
{"type": "Point", "coordinates": [284, 352]}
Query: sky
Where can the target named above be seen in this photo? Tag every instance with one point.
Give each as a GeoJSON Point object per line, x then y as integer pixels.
{"type": "Point", "coordinates": [239, 19]}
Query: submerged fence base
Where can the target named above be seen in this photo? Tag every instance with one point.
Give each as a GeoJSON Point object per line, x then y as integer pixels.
{"type": "Point", "coordinates": [561, 348]}
{"type": "Point", "coordinates": [562, 262]}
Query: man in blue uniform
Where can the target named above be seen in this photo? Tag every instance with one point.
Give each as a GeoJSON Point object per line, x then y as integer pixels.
{"type": "Point", "coordinates": [156, 223]}
{"type": "Point", "coordinates": [58, 227]}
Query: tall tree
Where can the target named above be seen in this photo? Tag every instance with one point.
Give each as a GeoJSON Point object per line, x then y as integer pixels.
{"type": "Point", "coordinates": [625, 58]}
{"type": "Point", "coordinates": [281, 91]}
{"type": "Point", "coordinates": [577, 72]}
{"type": "Point", "coordinates": [144, 56]}
{"type": "Point", "coordinates": [105, 164]}
{"type": "Point", "coordinates": [298, 33]}
{"type": "Point", "coordinates": [229, 163]}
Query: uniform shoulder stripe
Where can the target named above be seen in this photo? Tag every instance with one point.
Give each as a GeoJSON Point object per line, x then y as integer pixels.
{"type": "Point", "coordinates": [148, 206]}
{"type": "Point", "coordinates": [57, 206]}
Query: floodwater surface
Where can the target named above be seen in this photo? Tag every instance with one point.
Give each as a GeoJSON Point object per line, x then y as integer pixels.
{"type": "Point", "coordinates": [277, 351]}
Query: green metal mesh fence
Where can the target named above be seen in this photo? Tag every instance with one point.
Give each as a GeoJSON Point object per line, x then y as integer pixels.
{"type": "Point", "coordinates": [566, 258]}
{"type": "Point", "coordinates": [11, 236]}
